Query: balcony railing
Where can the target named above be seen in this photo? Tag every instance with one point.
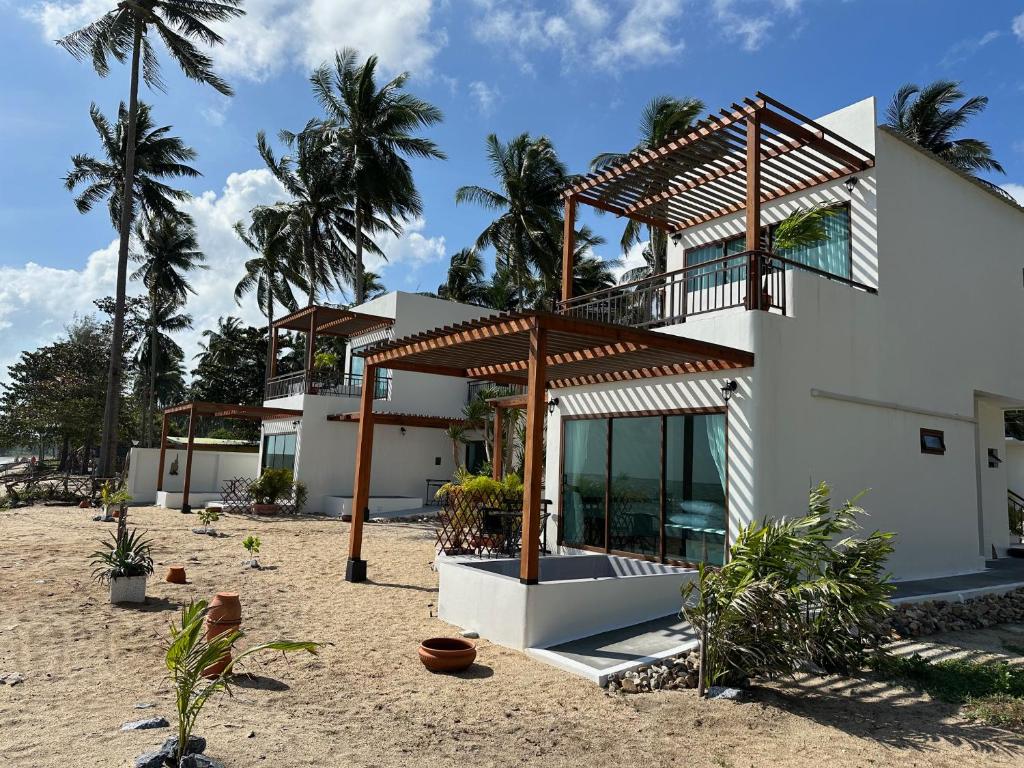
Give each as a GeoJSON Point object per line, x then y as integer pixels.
{"type": "Point", "coordinates": [752, 280]}
{"type": "Point", "coordinates": [474, 388]}
{"type": "Point", "coordinates": [329, 383]}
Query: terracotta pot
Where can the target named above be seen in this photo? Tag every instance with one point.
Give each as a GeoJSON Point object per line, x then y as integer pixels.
{"type": "Point", "coordinates": [84, 504]}
{"type": "Point", "coordinates": [215, 669]}
{"type": "Point", "coordinates": [176, 574]}
{"type": "Point", "coordinates": [224, 608]}
{"type": "Point", "coordinates": [447, 654]}
{"type": "Point", "coordinates": [266, 509]}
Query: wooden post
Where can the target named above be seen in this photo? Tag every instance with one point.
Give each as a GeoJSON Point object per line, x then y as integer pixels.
{"type": "Point", "coordinates": [311, 352]}
{"type": "Point", "coordinates": [568, 247]}
{"type": "Point", "coordinates": [355, 568]}
{"type": "Point", "coordinates": [163, 454]}
{"type": "Point", "coordinates": [186, 508]}
{"type": "Point", "coordinates": [497, 446]}
{"type": "Point", "coordinates": [753, 213]}
{"type": "Point", "coordinates": [529, 560]}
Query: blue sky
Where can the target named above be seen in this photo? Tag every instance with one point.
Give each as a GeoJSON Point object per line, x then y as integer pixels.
{"type": "Point", "coordinates": [578, 71]}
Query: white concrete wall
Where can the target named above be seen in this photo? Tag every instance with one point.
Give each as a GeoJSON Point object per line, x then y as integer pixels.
{"type": "Point", "coordinates": [209, 471]}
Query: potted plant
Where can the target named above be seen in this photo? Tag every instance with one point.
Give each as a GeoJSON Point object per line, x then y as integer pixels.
{"type": "Point", "coordinates": [252, 546]}
{"type": "Point", "coordinates": [270, 488]}
{"type": "Point", "coordinates": [113, 501]}
{"type": "Point", "coordinates": [124, 563]}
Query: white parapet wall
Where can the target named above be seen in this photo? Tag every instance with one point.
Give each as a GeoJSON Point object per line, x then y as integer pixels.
{"type": "Point", "coordinates": [210, 469]}
{"type": "Point", "coordinates": [577, 596]}
{"type": "Point", "coordinates": [336, 506]}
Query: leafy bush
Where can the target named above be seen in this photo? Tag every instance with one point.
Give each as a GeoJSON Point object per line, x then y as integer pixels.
{"type": "Point", "coordinates": [190, 652]}
{"type": "Point", "coordinates": [208, 516]}
{"type": "Point", "coordinates": [122, 557]}
{"type": "Point", "coordinates": [301, 496]}
{"type": "Point", "coordinates": [252, 545]}
{"type": "Point", "coordinates": [792, 593]}
{"type": "Point", "coordinates": [271, 486]}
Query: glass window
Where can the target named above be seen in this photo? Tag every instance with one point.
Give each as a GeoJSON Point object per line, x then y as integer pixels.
{"type": "Point", "coordinates": [695, 512]}
{"type": "Point", "coordinates": [279, 451]}
{"type": "Point", "coordinates": [476, 456]}
{"type": "Point", "coordinates": [831, 255]}
{"type": "Point", "coordinates": [584, 481]}
{"type": "Point", "coordinates": [635, 497]}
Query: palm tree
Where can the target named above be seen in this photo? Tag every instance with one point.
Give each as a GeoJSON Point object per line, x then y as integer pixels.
{"type": "Point", "coordinates": [373, 130]}
{"type": "Point", "coordinates": [529, 204]}
{"type": "Point", "coordinates": [125, 31]}
{"type": "Point", "coordinates": [158, 156]}
{"type": "Point", "coordinates": [373, 285]}
{"type": "Point", "coordinates": [662, 118]}
{"type": "Point", "coordinates": [321, 211]}
{"type": "Point", "coordinates": [166, 379]}
{"type": "Point", "coordinates": [465, 279]}
{"type": "Point", "coordinates": [272, 273]}
{"type": "Point", "coordinates": [929, 117]}
{"type": "Point", "coordinates": [170, 251]}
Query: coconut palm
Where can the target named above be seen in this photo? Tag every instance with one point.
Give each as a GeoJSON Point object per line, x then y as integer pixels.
{"type": "Point", "coordinates": [170, 251]}
{"type": "Point", "coordinates": [158, 156]}
{"type": "Point", "coordinates": [126, 30]}
{"type": "Point", "coordinates": [373, 285]}
{"type": "Point", "coordinates": [662, 118]}
{"type": "Point", "coordinates": [162, 357]}
{"type": "Point", "coordinates": [529, 204]}
{"type": "Point", "coordinates": [321, 210]}
{"type": "Point", "coordinates": [465, 279]}
{"type": "Point", "coordinates": [929, 117]}
{"type": "Point", "coordinates": [272, 272]}
{"type": "Point", "coordinates": [373, 129]}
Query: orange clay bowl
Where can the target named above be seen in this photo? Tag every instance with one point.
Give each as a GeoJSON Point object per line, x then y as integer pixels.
{"type": "Point", "coordinates": [447, 654]}
{"type": "Point", "coordinates": [176, 574]}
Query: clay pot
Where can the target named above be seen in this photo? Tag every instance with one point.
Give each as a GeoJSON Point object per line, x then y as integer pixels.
{"type": "Point", "coordinates": [447, 654]}
{"type": "Point", "coordinates": [176, 574]}
{"type": "Point", "coordinates": [223, 615]}
{"type": "Point", "coordinates": [266, 509]}
{"type": "Point", "coordinates": [84, 504]}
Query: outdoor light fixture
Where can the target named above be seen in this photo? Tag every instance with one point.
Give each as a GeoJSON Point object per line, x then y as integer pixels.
{"type": "Point", "coordinates": [552, 404]}
{"type": "Point", "coordinates": [850, 183]}
{"type": "Point", "coordinates": [676, 237]}
{"type": "Point", "coordinates": [296, 423]}
{"type": "Point", "coordinates": [728, 388]}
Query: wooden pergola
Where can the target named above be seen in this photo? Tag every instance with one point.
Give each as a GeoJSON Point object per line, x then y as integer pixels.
{"type": "Point", "coordinates": [499, 405]}
{"type": "Point", "coordinates": [198, 408]}
{"type": "Point", "coordinates": [324, 321]}
{"type": "Point", "coordinates": [747, 155]}
{"type": "Point", "coordinates": [542, 351]}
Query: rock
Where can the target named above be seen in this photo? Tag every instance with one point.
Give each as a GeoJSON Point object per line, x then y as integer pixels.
{"type": "Point", "coordinates": [150, 760]}
{"type": "Point", "coordinates": [144, 705]}
{"type": "Point", "coordinates": [471, 635]}
{"type": "Point", "coordinates": [199, 761]}
{"type": "Point", "coordinates": [252, 735]}
{"type": "Point", "coordinates": [145, 725]}
{"type": "Point", "coordinates": [720, 692]}
{"type": "Point", "coordinates": [11, 679]}
{"type": "Point", "coordinates": [629, 685]}
{"type": "Point", "coordinates": [196, 746]}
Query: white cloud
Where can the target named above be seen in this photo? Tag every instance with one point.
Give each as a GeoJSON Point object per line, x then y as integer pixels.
{"type": "Point", "coordinates": [1016, 191]}
{"type": "Point", "coordinates": [1018, 27]}
{"type": "Point", "coordinates": [964, 49]}
{"type": "Point", "coordinates": [486, 96]}
{"type": "Point", "coordinates": [750, 21]}
{"type": "Point", "coordinates": [278, 33]}
{"type": "Point", "coordinates": [633, 259]}
{"type": "Point", "coordinates": [410, 251]}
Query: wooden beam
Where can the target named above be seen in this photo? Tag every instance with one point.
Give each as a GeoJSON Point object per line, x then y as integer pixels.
{"type": "Point", "coordinates": [310, 351]}
{"type": "Point", "coordinates": [602, 205]}
{"type": "Point", "coordinates": [568, 247]}
{"type": "Point", "coordinates": [501, 326]}
{"type": "Point", "coordinates": [355, 568]}
{"type": "Point", "coordinates": [163, 454]}
{"type": "Point", "coordinates": [186, 508]}
{"type": "Point", "coordinates": [753, 208]}
{"type": "Point", "coordinates": [497, 448]}
{"type": "Point", "coordinates": [529, 560]}
{"type": "Point", "coordinates": [508, 401]}
{"type": "Point", "coordinates": [814, 138]}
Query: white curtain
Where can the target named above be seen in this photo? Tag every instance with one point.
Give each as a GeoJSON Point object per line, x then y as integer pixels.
{"type": "Point", "coordinates": [715, 423]}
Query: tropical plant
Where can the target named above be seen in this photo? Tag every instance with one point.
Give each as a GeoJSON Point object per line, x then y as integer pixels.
{"type": "Point", "coordinates": [252, 546]}
{"type": "Point", "coordinates": [464, 281]}
{"type": "Point", "coordinates": [456, 433]}
{"type": "Point", "coordinates": [159, 157]}
{"type": "Point", "coordinates": [272, 272]}
{"type": "Point", "coordinates": [158, 358]}
{"type": "Point", "coordinates": [231, 364]}
{"type": "Point", "coordinates": [373, 285]}
{"type": "Point", "coordinates": [190, 652]}
{"type": "Point", "coordinates": [373, 133]}
{"type": "Point", "coordinates": [929, 116]}
{"type": "Point", "coordinates": [804, 227]}
{"type": "Point", "coordinates": [170, 251]}
{"type": "Point", "coordinates": [794, 591]}
{"type": "Point", "coordinates": [271, 486]}
{"type": "Point", "coordinates": [208, 516]}
{"type": "Point", "coordinates": [662, 118]}
{"type": "Point", "coordinates": [112, 497]}
{"type": "Point", "coordinates": [122, 557]}
{"type": "Point", "coordinates": [123, 32]}
{"type": "Point", "coordinates": [528, 203]}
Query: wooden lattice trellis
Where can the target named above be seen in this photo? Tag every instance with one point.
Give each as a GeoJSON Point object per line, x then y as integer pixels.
{"type": "Point", "coordinates": [236, 496]}
{"type": "Point", "coordinates": [481, 523]}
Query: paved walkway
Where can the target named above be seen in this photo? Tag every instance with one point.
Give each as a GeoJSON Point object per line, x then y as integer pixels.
{"type": "Point", "coordinates": [998, 574]}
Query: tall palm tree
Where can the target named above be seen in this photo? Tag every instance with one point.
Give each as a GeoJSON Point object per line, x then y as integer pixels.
{"type": "Point", "coordinates": [465, 279]}
{"type": "Point", "coordinates": [158, 156]}
{"type": "Point", "coordinates": [321, 209]}
{"type": "Point", "coordinates": [662, 118]}
{"type": "Point", "coordinates": [170, 251]}
{"type": "Point", "coordinates": [373, 129]}
{"type": "Point", "coordinates": [373, 285]}
{"type": "Point", "coordinates": [272, 272]}
{"type": "Point", "coordinates": [122, 32]}
{"type": "Point", "coordinates": [165, 379]}
{"type": "Point", "coordinates": [929, 117]}
{"type": "Point", "coordinates": [529, 204]}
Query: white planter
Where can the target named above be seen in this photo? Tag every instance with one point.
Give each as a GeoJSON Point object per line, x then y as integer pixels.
{"type": "Point", "coordinates": [131, 589]}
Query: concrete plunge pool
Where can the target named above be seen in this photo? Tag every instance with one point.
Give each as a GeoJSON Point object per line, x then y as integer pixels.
{"type": "Point", "coordinates": [577, 596]}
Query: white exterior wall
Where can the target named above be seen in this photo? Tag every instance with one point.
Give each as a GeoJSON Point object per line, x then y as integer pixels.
{"type": "Point", "coordinates": [210, 469]}
{"type": "Point", "coordinates": [1015, 466]}
{"type": "Point", "coordinates": [942, 332]}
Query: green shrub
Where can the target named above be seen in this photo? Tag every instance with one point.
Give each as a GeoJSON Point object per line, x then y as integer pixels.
{"type": "Point", "coordinates": [252, 545]}
{"type": "Point", "coordinates": [998, 709]}
{"type": "Point", "coordinates": [129, 555]}
{"type": "Point", "coordinates": [953, 680]}
{"type": "Point", "coordinates": [208, 516]}
{"type": "Point", "coordinates": [794, 591]}
{"type": "Point", "coordinates": [272, 486]}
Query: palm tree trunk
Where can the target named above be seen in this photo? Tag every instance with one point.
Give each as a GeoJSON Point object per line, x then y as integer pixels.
{"type": "Point", "coordinates": [307, 247]}
{"type": "Point", "coordinates": [112, 406]}
{"type": "Point", "coordinates": [358, 288]}
{"type": "Point", "coordinates": [153, 352]}
{"type": "Point", "coordinates": [270, 332]}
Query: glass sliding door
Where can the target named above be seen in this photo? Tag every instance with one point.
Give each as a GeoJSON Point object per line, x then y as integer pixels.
{"type": "Point", "coordinates": [695, 509]}
{"type": "Point", "coordinates": [584, 481]}
{"type": "Point", "coordinates": [635, 490]}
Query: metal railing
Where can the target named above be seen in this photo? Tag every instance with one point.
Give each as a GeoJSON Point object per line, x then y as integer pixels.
{"type": "Point", "coordinates": [1015, 508]}
{"type": "Point", "coordinates": [474, 388]}
{"type": "Point", "coordinates": [752, 280]}
{"type": "Point", "coordinates": [329, 383]}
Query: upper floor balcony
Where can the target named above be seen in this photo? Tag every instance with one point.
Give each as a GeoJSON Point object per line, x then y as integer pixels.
{"type": "Point", "coordinates": [330, 383]}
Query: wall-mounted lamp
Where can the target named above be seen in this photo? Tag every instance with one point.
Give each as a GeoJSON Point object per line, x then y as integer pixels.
{"type": "Point", "coordinates": [402, 430]}
{"type": "Point", "coordinates": [676, 237]}
{"type": "Point", "coordinates": [296, 423]}
{"type": "Point", "coordinates": [552, 404]}
{"type": "Point", "coordinates": [850, 183]}
{"type": "Point", "coordinates": [728, 389]}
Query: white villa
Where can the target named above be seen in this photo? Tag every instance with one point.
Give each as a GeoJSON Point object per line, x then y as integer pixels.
{"type": "Point", "coordinates": [664, 414]}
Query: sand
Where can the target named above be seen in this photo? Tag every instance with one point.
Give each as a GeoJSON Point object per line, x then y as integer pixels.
{"type": "Point", "coordinates": [366, 700]}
